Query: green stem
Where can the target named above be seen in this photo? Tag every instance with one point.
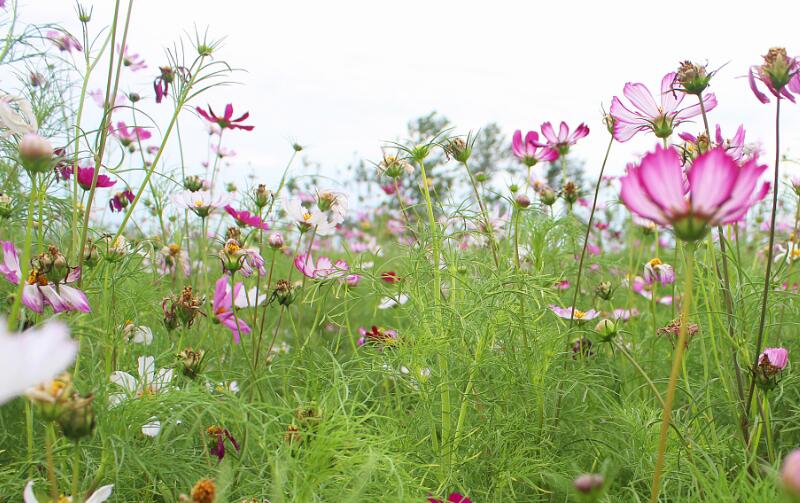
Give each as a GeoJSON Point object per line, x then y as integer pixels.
{"type": "Point", "coordinates": [767, 275]}
{"type": "Point", "coordinates": [24, 264]}
{"type": "Point", "coordinates": [673, 377]}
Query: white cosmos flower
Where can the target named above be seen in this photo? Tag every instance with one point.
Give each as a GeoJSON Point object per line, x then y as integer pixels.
{"type": "Point", "coordinates": [153, 428]}
{"type": "Point", "coordinates": [16, 116]}
{"type": "Point", "coordinates": [138, 334]}
{"type": "Point", "coordinates": [309, 218]}
{"type": "Point", "coordinates": [100, 495]}
{"type": "Point", "coordinates": [150, 382]}
{"type": "Point", "coordinates": [388, 302]}
{"type": "Point", "coordinates": [32, 357]}
{"type": "Point", "coordinates": [201, 202]}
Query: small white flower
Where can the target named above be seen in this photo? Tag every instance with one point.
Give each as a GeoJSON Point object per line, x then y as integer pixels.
{"type": "Point", "coordinates": [309, 218]}
{"type": "Point", "coordinates": [100, 495]}
{"type": "Point", "coordinates": [149, 382]}
{"type": "Point", "coordinates": [137, 334]}
{"type": "Point", "coordinates": [32, 357]}
{"type": "Point", "coordinates": [388, 302]}
{"type": "Point", "coordinates": [153, 428]}
{"type": "Point", "coordinates": [201, 202]}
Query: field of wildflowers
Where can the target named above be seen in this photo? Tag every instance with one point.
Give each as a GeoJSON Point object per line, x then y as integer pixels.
{"type": "Point", "coordinates": [413, 333]}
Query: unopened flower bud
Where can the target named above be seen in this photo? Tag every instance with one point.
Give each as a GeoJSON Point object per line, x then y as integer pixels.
{"type": "Point", "coordinates": [588, 483]}
{"type": "Point", "coordinates": [522, 201]}
{"type": "Point", "coordinates": [262, 195]}
{"type": "Point", "coordinates": [77, 419]}
{"type": "Point", "coordinates": [90, 254]}
{"type": "Point", "coordinates": [606, 328]}
{"type": "Point", "coordinates": [275, 240]}
{"type": "Point", "coordinates": [548, 196]}
{"type": "Point", "coordinates": [6, 206]}
{"type": "Point", "coordinates": [481, 177]}
{"type": "Point", "coordinates": [36, 153]}
{"type": "Point", "coordinates": [193, 183]}
{"type": "Point", "coordinates": [570, 193]}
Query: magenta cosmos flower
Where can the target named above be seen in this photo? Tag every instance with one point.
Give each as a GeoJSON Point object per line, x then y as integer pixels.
{"type": "Point", "coordinates": [40, 290]}
{"type": "Point", "coordinates": [245, 218]}
{"type": "Point", "coordinates": [226, 121]}
{"type": "Point", "coordinates": [562, 141]}
{"type": "Point", "coordinates": [531, 151]}
{"type": "Point", "coordinates": [86, 175]}
{"type": "Point", "coordinates": [715, 191]}
{"type": "Point", "coordinates": [453, 498]}
{"type": "Point", "coordinates": [644, 114]}
{"type": "Point", "coordinates": [223, 307]}
{"type": "Point", "coordinates": [779, 73]}
{"type": "Point", "coordinates": [566, 313]}
{"type": "Point", "coordinates": [121, 200]}
{"type": "Point", "coordinates": [733, 146]}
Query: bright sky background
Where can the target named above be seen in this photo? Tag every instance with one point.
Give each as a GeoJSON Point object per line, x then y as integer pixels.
{"type": "Point", "coordinates": [341, 77]}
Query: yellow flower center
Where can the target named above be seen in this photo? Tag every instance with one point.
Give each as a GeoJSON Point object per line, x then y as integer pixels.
{"type": "Point", "coordinates": [655, 262]}
{"type": "Point", "coordinates": [578, 314]}
{"type": "Point", "coordinates": [306, 216]}
{"type": "Point", "coordinates": [199, 203]}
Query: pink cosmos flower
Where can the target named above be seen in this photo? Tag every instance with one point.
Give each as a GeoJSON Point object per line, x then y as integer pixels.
{"type": "Point", "coordinates": [733, 146]}
{"type": "Point", "coordinates": [656, 270]}
{"type": "Point", "coordinates": [716, 190]}
{"type": "Point", "coordinates": [790, 472]}
{"type": "Point", "coordinates": [562, 141]}
{"type": "Point", "coordinates": [64, 41]}
{"type": "Point", "coordinates": [253, 261]}
{"type": "Point", "coordinates": [774, 357]}
{"type": "Point", "coordinates": [132, 61]}
{"type": "Point", "coordinates": [324, 268]}
{"type": "Point", "coordinates": [226, 121]}
{"type": "Point", "coordinates": [646, 115]}
{"type": "Point", "coordinates": [128, 137]}
{"type": "Point", "coordinates": [779, 73]}
{"type": "Point", "coordinates": [245, 218]}
{"type": "Point", "coordinates": [566, 313]}
{"type": "Point", "coordinates": [100, 99]}
{"type": "Point", "coordinates": [223, 307]}
{"type": "Point", "coordinates": [121, 200]}
{"type": "Point", "coordinates": [39, 290]}
{"type": "Point", "coordinates": [453, 498]}
{"type": "Point", "coordinates": [531, 151]}
{"type": "Point", "coordinates": [375, 335]}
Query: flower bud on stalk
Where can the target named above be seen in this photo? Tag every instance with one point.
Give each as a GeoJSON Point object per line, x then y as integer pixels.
{"type": "Point", "coordinates": [522, 201]}
{"type": "Point", "coordinates": [607, 329]}
{"type": "Point", "coordinates": [193, 183]}
{"type": "Point", "coordinates": [36, 153]}
{"type": "Point", "coordinates": [77, 419]}
{"type": "Point", "coordinates": [262, 195]}
{"type": "Point", "coordinates": [51, 397]}
{"type": "Point", "coordinates": [275, 240]}
{"type": "Point", "coordinates": [284, 292]}
{"type": "Point", "coordinates": [231, 255]}
{"type": "Point", "coordinates": [6, 206]}
{"type": "Point", "coordinates": [604, 290]}
{"type": "Point", "coordinates": [548, 196]}
{"type": "Point", "coordinates": [458, 150]}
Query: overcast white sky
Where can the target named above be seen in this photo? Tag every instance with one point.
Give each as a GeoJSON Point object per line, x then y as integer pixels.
{"type": "Point", "coordinates": [341, 77]}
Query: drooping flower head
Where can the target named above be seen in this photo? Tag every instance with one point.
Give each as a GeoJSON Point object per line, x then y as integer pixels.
{"type": "Point", "coordinates": [225, 121]}
{"type": "Point", "coordinates": [224, 299]}
{"type": "Point", "coordinates": [531, 151]}
{"type": "Point", "coordinates": [643, 114]}
{"type": "Point", "coordinates": [779, 73]}
{"type": "Point", "coordinates": [64, 41]}
{"type": "Point", "coordinates": [562, 141]}
{"type": "Point", "coordinates": [716, 190]}
{"type": "Point", "coordinates": [48, 281]}
{"type": "Point", "coordinates": [131, 61]}
{"type": "Point", "coordinates": [656, 270]}
{"type": "Point", "coordinates": [121, 200]}
{"type": "Point", "coordinates": [245, 218]}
